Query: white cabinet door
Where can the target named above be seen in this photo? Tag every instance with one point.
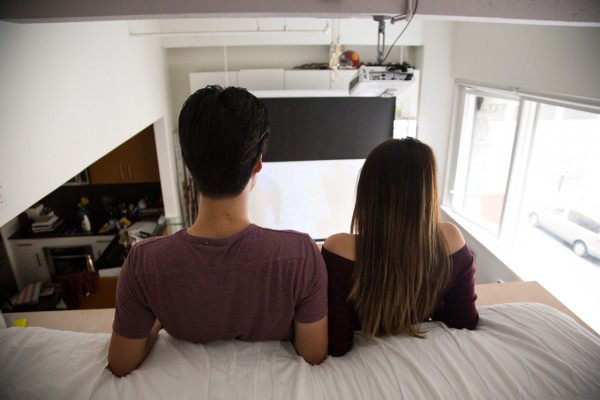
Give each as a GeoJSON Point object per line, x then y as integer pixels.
{"type": "Point", "coordinates": [299, 79]}
{"type": "Point", "coordinates": [344, 76]}
{"type": "Point", "coordinates": [30, 262]}
{"type": "Point", "coordinates": [261, 79]}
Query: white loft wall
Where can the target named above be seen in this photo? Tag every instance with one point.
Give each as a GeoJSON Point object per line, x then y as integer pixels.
{"type": "Point", "coordinates": [558, 59]}
{"type": "Point", "coordinates": [545, 58]}
{"type": "Point", "coordinates": [435, 101]}
{"type": "Point", "coordinates": [71, 92]}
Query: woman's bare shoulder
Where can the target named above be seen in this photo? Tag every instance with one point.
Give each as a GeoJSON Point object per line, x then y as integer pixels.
{"type": "Point", "coordinates": [342, 244]}
{"type": "Point", "coordinates": [453, 236]}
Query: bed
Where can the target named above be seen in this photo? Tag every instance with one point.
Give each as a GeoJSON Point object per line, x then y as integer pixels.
{"type": "Point", "coordinates": [519, 351]}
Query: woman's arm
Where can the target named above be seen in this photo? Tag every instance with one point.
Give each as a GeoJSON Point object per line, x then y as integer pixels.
{"type": "Point", "coordinates": [338, 253]}
{"type": "Point", "coordinates": [341, 323]}
{"type": "Point", "coordinates": [459, 309]}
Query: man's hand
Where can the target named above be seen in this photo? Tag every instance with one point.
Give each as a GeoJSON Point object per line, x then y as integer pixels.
{"type": "Point", "coordinates": [311, 340]}
{"type": "Point", "coordinates": [125, 355]}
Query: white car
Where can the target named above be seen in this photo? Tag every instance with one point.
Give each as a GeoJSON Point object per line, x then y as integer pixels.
{"type": "Point", "coordinates": [579, 229]}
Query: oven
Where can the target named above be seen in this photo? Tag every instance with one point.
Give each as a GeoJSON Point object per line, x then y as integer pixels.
{"type": "Point", "coordinates": [63, 261]}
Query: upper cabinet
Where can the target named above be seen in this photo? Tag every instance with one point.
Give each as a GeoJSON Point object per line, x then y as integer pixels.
{"type": "Point", "coordinates": [275, 79]}
{"type": "Point", "coordinates": [134, 161]}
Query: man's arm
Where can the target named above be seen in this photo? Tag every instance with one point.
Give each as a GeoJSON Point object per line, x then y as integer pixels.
{"type": "Point", "coordinates": [311, 340]}
{"type": "Point", "coordinates": [125, 355]}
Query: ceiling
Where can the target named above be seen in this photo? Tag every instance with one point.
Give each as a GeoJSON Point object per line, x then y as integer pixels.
{"type": "Point", "coordinates": [585, 12]}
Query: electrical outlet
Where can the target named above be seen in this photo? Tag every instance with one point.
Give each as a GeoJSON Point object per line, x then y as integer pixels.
{"type": "Point", "coordinates": [2, 203]}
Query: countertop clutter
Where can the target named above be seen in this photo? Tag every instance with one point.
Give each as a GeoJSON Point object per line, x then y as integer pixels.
{"type": "Point", "coordinates": [53, 265]}
{"type": "Point", "coordinates": [52, 245]}
{"type": "Point", "coordinates": [43, 221]}
{"type": "Point", "coordinates": [115, 253]}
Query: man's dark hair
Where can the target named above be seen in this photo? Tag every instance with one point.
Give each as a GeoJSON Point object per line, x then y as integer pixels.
{"type": "Point", "coordinates": [222, 133]}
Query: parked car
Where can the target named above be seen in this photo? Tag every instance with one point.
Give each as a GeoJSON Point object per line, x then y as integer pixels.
{"type": "Point", "coordinates": [580, 229]}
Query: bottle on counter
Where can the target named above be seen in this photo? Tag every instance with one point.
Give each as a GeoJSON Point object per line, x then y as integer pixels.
{"type": "Point", "coordinates": [86, 225]}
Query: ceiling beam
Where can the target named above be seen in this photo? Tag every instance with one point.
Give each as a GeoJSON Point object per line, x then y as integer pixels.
{"type": "Point", "coordinates": [583, 12]}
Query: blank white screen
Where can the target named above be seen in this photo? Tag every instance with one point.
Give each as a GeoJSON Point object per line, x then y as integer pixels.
{"type": "Point", "coordinates": [316, 197]}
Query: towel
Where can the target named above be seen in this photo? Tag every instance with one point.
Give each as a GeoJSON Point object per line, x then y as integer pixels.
{"type": "Point", "coordinates": [74, 287]}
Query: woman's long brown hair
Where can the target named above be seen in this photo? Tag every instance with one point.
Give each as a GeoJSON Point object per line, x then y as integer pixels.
{"type": "Point", "coordinates": [402, 259]}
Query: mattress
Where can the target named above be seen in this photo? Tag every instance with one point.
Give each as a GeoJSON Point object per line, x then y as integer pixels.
{"type": "Point", "coordinates": [518, 351]}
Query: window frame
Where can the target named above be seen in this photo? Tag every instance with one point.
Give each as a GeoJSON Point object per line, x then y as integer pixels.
{"type": "Point", "coordinates": [524, 137]}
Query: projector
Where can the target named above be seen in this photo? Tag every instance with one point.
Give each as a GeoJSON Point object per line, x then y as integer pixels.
{"type": "Point", "coordinates": [381, 81]}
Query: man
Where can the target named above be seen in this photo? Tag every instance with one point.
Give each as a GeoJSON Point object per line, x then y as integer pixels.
{"type": "Point", "coordinates": [224, 277]}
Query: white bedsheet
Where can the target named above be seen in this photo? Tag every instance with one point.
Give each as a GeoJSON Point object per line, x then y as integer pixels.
{"type": "Point", "coordinates": [519, 351]}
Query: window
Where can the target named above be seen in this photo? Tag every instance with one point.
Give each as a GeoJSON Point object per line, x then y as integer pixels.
{"type": "Point", "coordinates": [484, 159]}
{"type": "Point", "coordinates": [526, 170]}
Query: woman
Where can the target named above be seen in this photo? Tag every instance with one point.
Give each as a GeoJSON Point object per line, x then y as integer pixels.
{"type": "Point", "coordinates": [402, 265]}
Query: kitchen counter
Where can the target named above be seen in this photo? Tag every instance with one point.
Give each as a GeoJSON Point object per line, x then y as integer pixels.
{"type": "Point", "coordinates": [115, 253]}
{"type": "Point", "coordinates": [113, 256]}
{"type": "Point", "coordinates": [63, 231]}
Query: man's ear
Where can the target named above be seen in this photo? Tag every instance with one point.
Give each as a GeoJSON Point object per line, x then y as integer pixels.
{"type": "Point", "coordinates": [258, 166]}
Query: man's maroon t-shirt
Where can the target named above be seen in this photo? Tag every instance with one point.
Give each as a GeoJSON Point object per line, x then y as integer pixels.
{"type": "Point", "coordinates": [250, 286]}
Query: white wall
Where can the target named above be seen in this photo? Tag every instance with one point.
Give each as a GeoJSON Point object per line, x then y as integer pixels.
{"type": "Point", "coordinates": [543, 58]}
{"type": "Point", "coordinates": [559, 59]}
{"type": "Point", "coordinates": [435, 101]}
{"type": "Point", "coordinates": [71, 92]}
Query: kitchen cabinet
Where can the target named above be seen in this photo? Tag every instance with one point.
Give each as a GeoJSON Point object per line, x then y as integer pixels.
{"type": "Point", "coordinates": [344, 76]}
{"type": "Point", "coordinates": [316, 79]}
{"type": "Point", "coordinates": [275, 79]}
{"type": "Point", "coordinates": [135, 161]}
{"type": "Point", "coordinates": [29, 259]}
{"type": "Point", "coordinates": [29, 262]}
{"type": "Point", "coordinates": [261, 79]}
{"type": "Point", "coordinates": [8, 284]}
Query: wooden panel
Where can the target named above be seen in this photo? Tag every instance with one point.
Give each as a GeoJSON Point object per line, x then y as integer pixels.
{"type": "Point", "coordinates": [108, 169]}
{"type": "Point", "coordinates": [91, 321]}
{"type": "Point", "coordinates": [104, 296]}
{"type": "Point", "coordinates": [100, 320]}
{"type": "Point", "coordinates": [520, 291]}
{"type": "Point", "coordinates": [141, 162]}
{"type": "Point", "coordinates": [134, 161]}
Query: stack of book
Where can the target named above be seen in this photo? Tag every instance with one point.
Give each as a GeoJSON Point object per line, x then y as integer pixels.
{"type": "Point", "coordinates": [30, 294]}
{"type": "Point", "coordinates": [46, 223]}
